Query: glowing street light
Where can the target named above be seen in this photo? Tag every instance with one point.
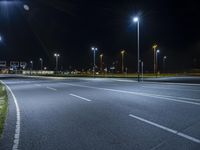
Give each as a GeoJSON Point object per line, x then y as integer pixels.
{"type": "Point", "coordinates": [101, 62]}
{"type": "Point", "coordinates": [123, 52]}
{"type": "Point", "coordinates": [94, 49]}
{"type": "Point", "coordinates": [41, 64]}
{"type": "Point", "coordinates": [56, 55]}
{"type": "Point", "coordinates": [164, 63]}
{"type": "Point", "coordinates": [26, 7]}
{"type": "Point", "coordinates": [31, 67]}
{"type": "Point", "coordinates": [157, 52]}
{"type": "Point", "coordinates": [154, 50]}
{"type": "Point", "coordinates": [136, 20]}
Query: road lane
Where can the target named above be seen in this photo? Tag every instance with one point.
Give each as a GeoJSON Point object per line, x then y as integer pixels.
{"type": "Point", "coordinates": [54, 120]}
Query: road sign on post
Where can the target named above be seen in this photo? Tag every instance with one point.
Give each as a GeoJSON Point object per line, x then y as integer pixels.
{"type": "Point", "coordinates": [2, 64]}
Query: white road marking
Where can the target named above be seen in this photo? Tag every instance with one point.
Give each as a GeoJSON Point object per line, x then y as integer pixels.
{"type": "Point", "coordinates": [17, 127]}
{"type": "Point", "coordinates": [18, 82]}
{"type": "Point", "coordinates": [122, 80]}
{"type": "Point", "coordinates": [140, 94]}
{"type": "Point", "coordinates": [170, 88]}
{"type": "Point", "coordinates": [167, 129]}
{"type": "Point", "coordinates": [157, 146]}
{"type": "Point", "coordinates": [53, 89]}
{"type": "Point", "coordinates": [172, 83]}
{"type": "Point", "coordinates": [80, 97]}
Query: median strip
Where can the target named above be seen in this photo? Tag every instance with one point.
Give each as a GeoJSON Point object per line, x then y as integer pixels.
{"type": "Point", "coordinates": [166, 129]}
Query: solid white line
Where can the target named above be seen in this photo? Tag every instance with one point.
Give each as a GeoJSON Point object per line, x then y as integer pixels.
{"type": "Point", "coordinates": [171, 98]}
{"type": "Point", "coordinates": [172, 83]}
{"type": "Point", "coordinates": [17, 127]}
{"type": "Point", "coordinates": [121, 80]}
{"type": "Point", "coordinates": [167, 129]}
{"type": "Point", "coordinates": [150, 87]}
{"type": "Point", "coordinates": [51, 89]}
{"type": "Point", "coordinates": [80, 97]}
{"type": "Point", "coordinates": [140, 94]}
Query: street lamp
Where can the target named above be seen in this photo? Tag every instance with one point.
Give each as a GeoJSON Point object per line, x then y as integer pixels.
{"type": "Point", "coordinates": [157, 52]}
{"type": "Point", "coordinates": [101, 62]}
{"type": "Point", "coordinates": [56, 55]}
{"type": "Point", "coordinates": [94, 49]}
{"type": "Point", "coordinates": [136, 20]}
{"type": "Point", "coordinates": [26, 7]}
{"type": "Point", "coordinates": [31, 66]}
{"type": "Point", "coordinates": [164, 62]}
{"type": "Point", "coordinates": [154, 50]}
{"type": "Point", "coordinates": [41, 64]}
{"type": "Point", "coordinates": [123, 52]}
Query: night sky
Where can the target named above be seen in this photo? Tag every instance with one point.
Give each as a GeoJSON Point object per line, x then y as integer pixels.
{"type": "Point", "coordinates": [72, 27]}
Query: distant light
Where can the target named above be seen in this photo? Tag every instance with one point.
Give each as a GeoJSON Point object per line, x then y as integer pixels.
{"type": "Point", "coordinates": [155, 46]}
{"type": "Point", "coordinates": [135, 19]}
{"type": "Point", "coordinates": [165, 57]}
{"type": "Point", "coordinates": [94, 49]}
{"type": "Point", "coordinates": [158, 51]}
{"type": "Point", "coordinates": [0, 38]}
{"type": "Point", "coordinates": [26, 7]}
{"type": "Point", "coordinates": [57, 55]}
{"type": "Point", "coordinates": [31, 61]}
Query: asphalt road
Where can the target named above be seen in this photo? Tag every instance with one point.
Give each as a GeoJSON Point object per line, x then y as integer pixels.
{"type": "Point", "coordinates": [101, 114]}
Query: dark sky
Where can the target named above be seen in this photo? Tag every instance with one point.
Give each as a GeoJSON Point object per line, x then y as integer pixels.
{"type": "Point", "coordinates": [71, 27]}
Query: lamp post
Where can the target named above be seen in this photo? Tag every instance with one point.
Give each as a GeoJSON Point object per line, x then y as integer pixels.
{"type": "Point", "coordinates": [154, 50]}
{"type": "Point", "coordinates": [41, 64]}
{"type": "Point", "coordinates": [136, 20]}
{"type": "Point", "coordinates": [123, 52]}
{"type": "Point", "coordinates": [157, 52]}
{"type": "Point", "coordinates": [56, 55]}
{"type": "Point", "coordinates": [164, 63]}
{"type": "Point", "coordinates": [94, 49]}
{"type": "Point", "coordinates": [101, 62]}
{"type": "Point", "coordinates": [31, 67]}
{"type": "Point", "coordinates": [142, 65]}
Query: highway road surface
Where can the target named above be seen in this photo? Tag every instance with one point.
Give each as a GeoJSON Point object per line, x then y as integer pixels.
{"type": "Point", "coordinates": [101, 114]}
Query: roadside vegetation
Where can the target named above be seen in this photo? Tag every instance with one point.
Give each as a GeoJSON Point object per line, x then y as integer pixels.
{"type": "Point", "coordinates": [3, 106]}
{"type": "Point", "coordinates": [108, 75]}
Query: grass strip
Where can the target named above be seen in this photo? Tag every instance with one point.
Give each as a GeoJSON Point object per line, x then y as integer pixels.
{"type": "Point", "coordinates": [3, 106]}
